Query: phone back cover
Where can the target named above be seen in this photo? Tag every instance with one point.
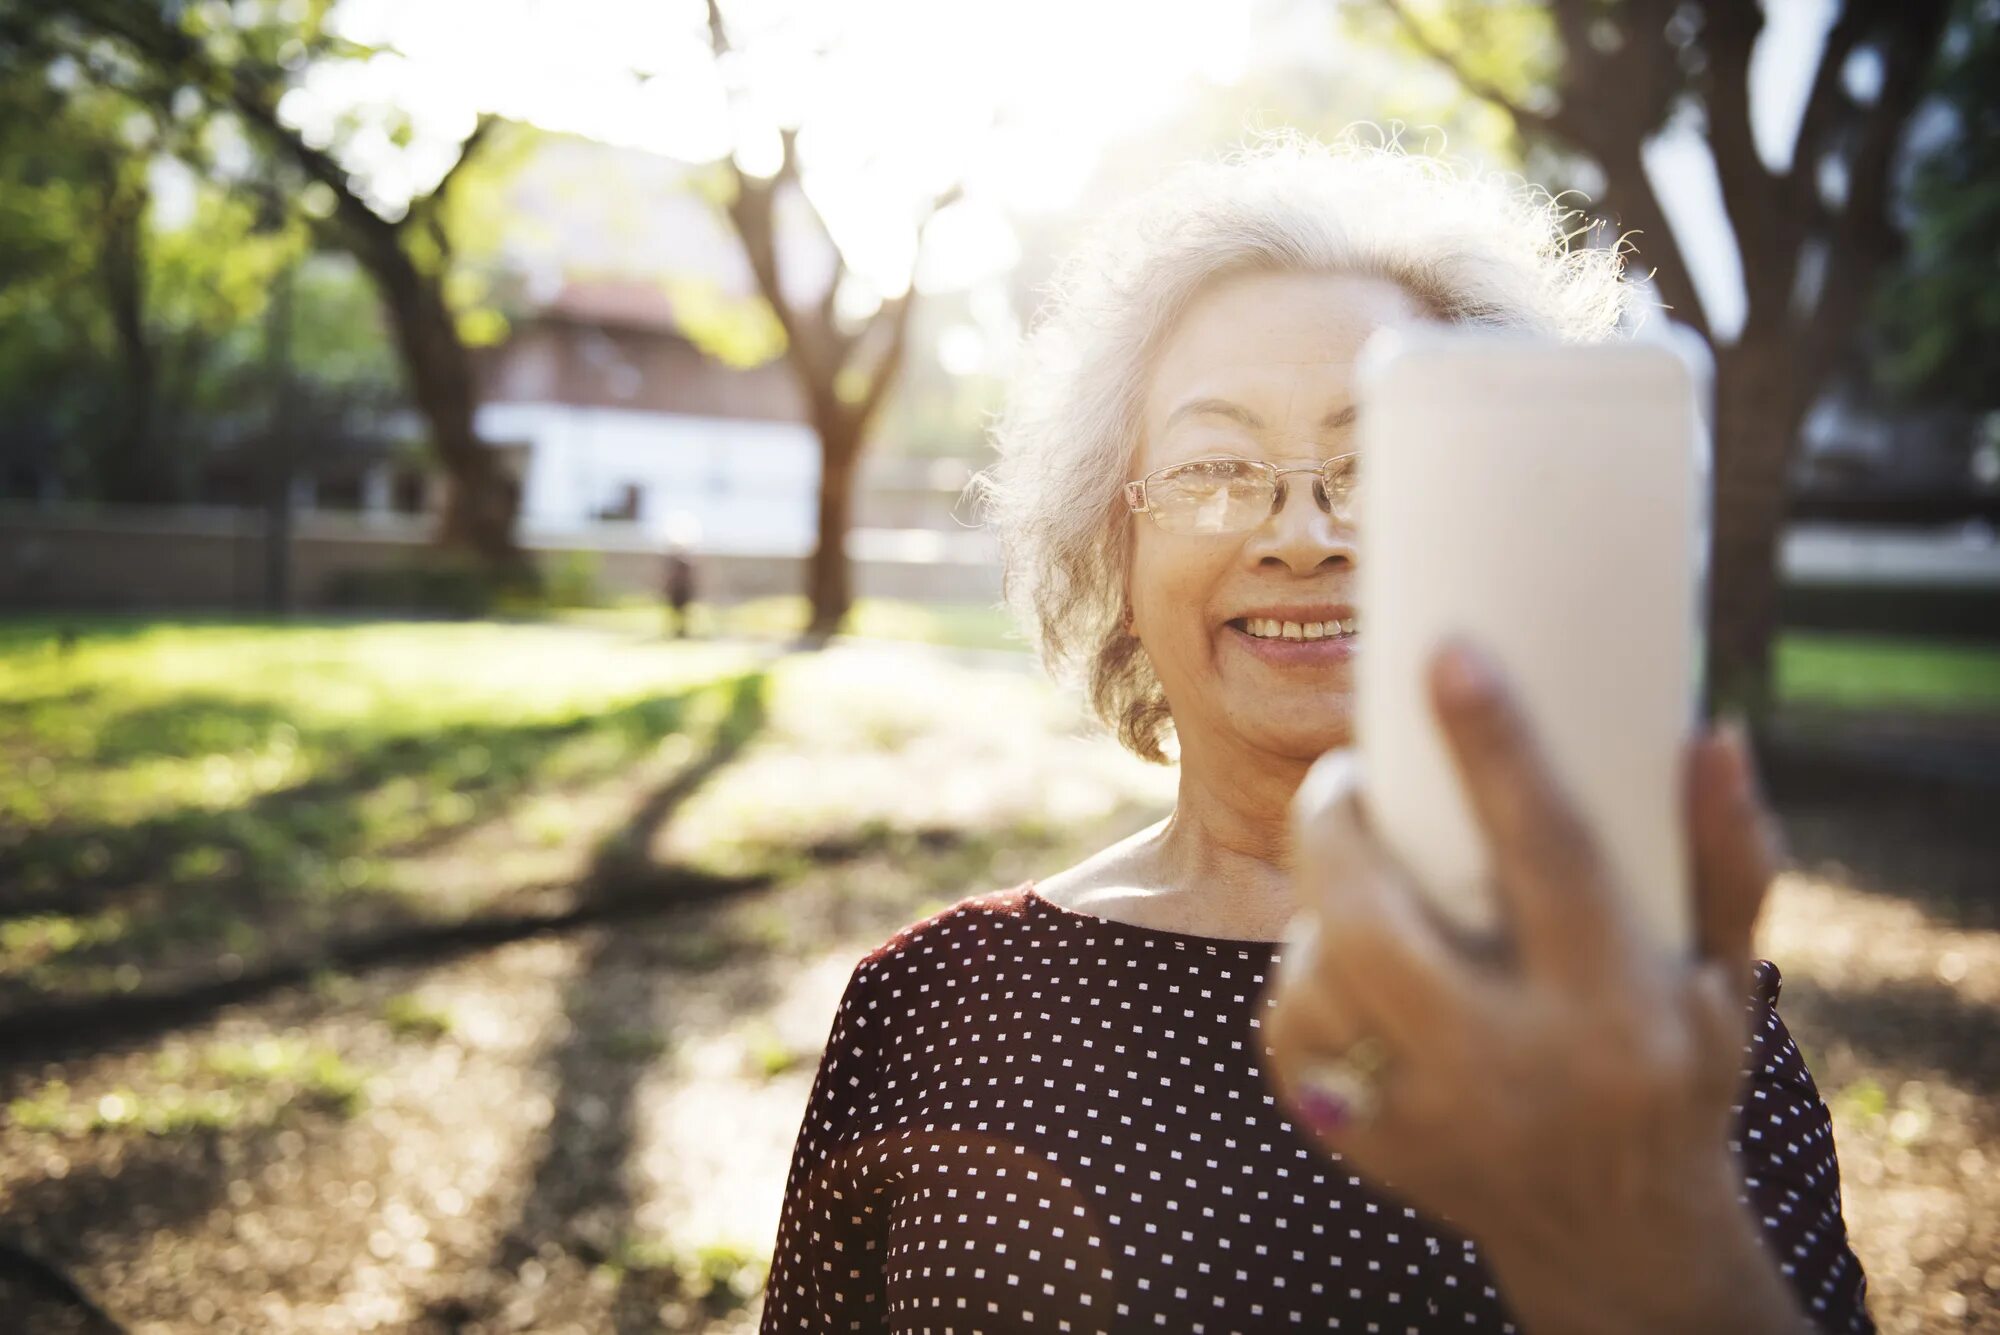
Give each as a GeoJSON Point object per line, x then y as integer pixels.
{"type": "Point", "coordinates": [1548, 502]}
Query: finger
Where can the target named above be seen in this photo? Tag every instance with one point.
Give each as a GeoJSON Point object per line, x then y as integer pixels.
{"type": "Point", "coordinates": [1736, 849]}
{"type": "Point", "coordinates": [1551, 877]}
{"type": "Point", "coordinates": [1310, 1022]}
{"type": "Point", "coordinates": [1374, 933]}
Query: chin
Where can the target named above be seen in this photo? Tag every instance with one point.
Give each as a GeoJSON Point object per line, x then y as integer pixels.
{"type": "Point", "coordinates": [1301, 739]}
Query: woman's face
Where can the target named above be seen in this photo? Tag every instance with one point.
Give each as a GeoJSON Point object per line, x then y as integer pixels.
{"type": "Point", "coordinates": [1261, 366]}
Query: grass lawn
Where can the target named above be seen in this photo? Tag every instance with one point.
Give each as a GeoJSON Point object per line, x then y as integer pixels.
{"type": "Point", "coordinates": [1869, 672]}
{"type": "Point", "coordinates": [181, 796]}
{"type": "Point", "coordinates": [175, 791]}
{"type": "Point", "coordinates": [1813, 667]}
{"type": "Point", "coordinates": [188, 801]}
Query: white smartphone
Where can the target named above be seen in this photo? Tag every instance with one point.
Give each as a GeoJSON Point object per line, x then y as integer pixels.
{"type": "Point", "coordinates": [1549, 502]}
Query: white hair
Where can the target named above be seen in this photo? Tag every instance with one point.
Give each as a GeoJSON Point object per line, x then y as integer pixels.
{"type": "Point", "coordinates": [1474, 247]}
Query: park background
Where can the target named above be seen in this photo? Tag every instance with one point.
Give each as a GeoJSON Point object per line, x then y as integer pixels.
{"type": "Point", "coordinates": [401, 930]}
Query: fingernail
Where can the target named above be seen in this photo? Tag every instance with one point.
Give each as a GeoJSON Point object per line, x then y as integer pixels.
{"type": "Point", "coordinates": [1322, 1109]}
{"type": "Point", "coordinates": [1466, 673]}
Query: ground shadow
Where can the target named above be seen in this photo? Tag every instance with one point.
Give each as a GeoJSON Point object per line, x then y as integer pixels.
{"type": "Point", "coordinates": [1907, 814]}
{"type": "Point", "coordinates": [56, 1227]}
{"type": "Point", "coordinates": [1915, 1026]}
{"type": "Point", "coordinates": [254, 882]}
{"type": "Point", "coordinates": [579, 1201]}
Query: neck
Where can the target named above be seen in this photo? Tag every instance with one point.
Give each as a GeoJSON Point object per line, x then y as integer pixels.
{"type": "Point", "coordinates": [1227, 847]}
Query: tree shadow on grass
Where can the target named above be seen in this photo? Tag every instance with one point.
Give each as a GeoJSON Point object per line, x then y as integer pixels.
{"type": "Point", "coordinates": [192, 724]}
{"type": "Point", "coordinates": [261, 839]}
{"type": "Point", "coordinates": [579, 1200]}
{"type": "Point", "coordinates": [163, 1182]}
{"type": "Point", "coordinates": [290, 866]}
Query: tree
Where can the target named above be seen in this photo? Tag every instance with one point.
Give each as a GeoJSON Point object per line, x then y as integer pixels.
{"type": "Point", "coordinates": [1939, 315]}
{"type": "Point", "coordinates": [1814, 233]}
{"type": "Point", "coordinates": [156, 52]}
{"type": "Point", "coordinates": [112, 324]}
{"type": "Point", "coordinates": [844, 371]}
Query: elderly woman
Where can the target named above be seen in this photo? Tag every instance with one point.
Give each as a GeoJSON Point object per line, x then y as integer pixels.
{"type": "Point", "coordinates": [1091, 1102]}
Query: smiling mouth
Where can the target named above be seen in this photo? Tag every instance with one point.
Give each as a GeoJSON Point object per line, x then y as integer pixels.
{"type": "Point", "coordinates": [1267, 628]}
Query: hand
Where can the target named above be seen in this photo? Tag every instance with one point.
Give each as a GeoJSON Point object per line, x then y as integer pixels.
{"type": "Point", "coordinates": [1562, 1097]}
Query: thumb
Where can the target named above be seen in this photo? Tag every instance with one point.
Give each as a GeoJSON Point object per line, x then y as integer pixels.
{"type": "Point", "coordinates": [1326, 818]}
{"type": "Point", "coordinates": [1737, 849]}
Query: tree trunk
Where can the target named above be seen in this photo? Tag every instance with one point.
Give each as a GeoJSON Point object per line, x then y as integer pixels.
{"type": "Point", "coordinates": [132, 470]}
{"type": "Point", "coordinates": [480, 500]}
{"type": "Point", "coordinates": [830, 585]}
{"type": "Point", "coordinates": [1760, 397]}
{"type": "Point", "coordinates": [278, 458]}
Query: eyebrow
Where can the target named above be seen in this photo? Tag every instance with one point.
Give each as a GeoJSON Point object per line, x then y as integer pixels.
{"type": "Point", "coordinates": [1236, 412]}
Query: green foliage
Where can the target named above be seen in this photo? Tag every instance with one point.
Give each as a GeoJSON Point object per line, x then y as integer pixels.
{"type": "Point", "coordinates": [1508, 45]}
{"type": "Point", "coordinates": [437, 583]}
{"type": "Point", "coordinates": [766, 1054]}
{"type": "Point", "coordinates": [224, 1086]}
{"type": "Point", "coordinates": [736, 331]}
{"type": "Point", "coordinates": [410, 1016]}
{"type": "Point", "coordinates": [134, 294]}
{"type": "Point", "coordinates": [572, 579]}
{"type": "Point", "coordinates": [1938, 314]}
{"type": "Point", "coordinates": [721, 1275]}
{"type": "Point", "coordinates": [125, 388]}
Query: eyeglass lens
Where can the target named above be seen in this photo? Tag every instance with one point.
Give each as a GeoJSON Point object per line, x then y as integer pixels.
{"type": "Point", "coordinates": [1231, 495]}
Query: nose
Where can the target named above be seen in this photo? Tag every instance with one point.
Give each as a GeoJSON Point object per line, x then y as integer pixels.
{"type": "Point", "coordinates": [1299, 533]}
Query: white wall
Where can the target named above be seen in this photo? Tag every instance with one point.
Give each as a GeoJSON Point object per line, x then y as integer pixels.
{"type": "Point", "coordinates": [751, 486]}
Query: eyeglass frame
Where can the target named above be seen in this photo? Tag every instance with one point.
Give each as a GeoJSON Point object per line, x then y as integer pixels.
{"type": "Point", "coordinates": [1137, 502]}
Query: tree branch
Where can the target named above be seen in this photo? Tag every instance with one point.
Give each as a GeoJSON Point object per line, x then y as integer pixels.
{"type": "Point", "coordinates": [1824, 107]}
{"type": "Point", "coordinates": [1629, 85]}
{"type": "Point", "coordinates": [1630, 195]}
{"type": "Point", "coordinates": [482, 134]}
{"type": "Point", "coordinates": [429, 209]}
{"type": "Point", "coordinates": [254, 97]}
{"type": "Point", "coordinates": [1455, 64]}
{"type": "Point", "coordinates": [896, 316]}
{"type": "Point", "coordinates": [1863, 237]}
{"type": "Point", "coordinates": [1750, 199]}
{"type": "Point", "coordinates": [753, 213]}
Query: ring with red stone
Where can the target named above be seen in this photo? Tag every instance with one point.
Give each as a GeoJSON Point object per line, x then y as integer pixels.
{"type": "Point", "coordinates": [1341, 1090]}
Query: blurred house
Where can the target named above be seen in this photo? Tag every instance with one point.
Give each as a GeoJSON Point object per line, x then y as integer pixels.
{"type": "Point", "coordinates": [602, 394]}
{"type": "Point", "coordinates": [611, 415]}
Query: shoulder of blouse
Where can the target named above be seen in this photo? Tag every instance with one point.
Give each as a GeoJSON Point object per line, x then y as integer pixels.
{"type": "Point", "coordinates": [1765, 981]}
{"type": "Point", "coordinates": [972, 912]}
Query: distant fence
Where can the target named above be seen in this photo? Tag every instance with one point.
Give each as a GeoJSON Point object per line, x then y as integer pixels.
{"type": "Point", "coordinates": [1836, 577]}
{"type": "Point", "coordinates": [1892, 580]}
{"type": "Point", "coordinates": [139, 558]}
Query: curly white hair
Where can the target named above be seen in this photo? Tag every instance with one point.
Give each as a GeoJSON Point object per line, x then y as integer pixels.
{"type": "Point", "coordinates": [1474, 247]}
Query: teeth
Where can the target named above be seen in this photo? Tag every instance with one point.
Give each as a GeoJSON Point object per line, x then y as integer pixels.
{"type": "Point", "coordinates": [1268, 628]}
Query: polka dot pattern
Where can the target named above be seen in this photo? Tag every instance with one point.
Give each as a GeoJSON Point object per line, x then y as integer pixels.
{"type": "Point", "coordinates": [1031, 1119]}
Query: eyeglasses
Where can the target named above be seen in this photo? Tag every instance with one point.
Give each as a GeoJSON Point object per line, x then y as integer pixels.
{"type": "Point", "coordinates": [1206, 496]}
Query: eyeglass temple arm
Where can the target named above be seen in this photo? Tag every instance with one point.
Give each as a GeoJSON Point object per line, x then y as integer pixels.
{"type": "Point", "coordinates": [1135, 495]}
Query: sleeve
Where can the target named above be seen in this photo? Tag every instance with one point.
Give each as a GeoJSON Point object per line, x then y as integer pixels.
{"type": "Point", "coordinates": [827, 1263]}
{"type": "Point", "coordinates": [1783, 1137]}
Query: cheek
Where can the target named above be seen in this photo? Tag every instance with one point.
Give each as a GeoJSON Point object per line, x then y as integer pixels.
{"type": "Point", "coordinates": [1172, 586]}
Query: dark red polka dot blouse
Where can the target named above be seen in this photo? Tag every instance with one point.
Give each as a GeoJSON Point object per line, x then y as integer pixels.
{"type": "Point", "coordinates": [1031, 1119]}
